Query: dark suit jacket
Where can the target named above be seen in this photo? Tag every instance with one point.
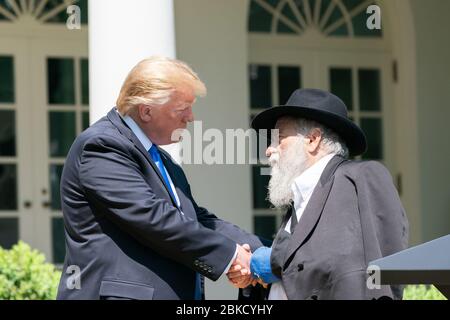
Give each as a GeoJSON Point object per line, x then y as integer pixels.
{"type": "Point", "coordinates": [123, 229]}
{"type": "Point", "coordinates": [354, 216]}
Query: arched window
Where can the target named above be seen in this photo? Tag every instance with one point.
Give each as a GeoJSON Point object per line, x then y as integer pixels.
{"type": "Point", "coordinates": [328, 17]}
{"type": "Point", "coordinates": [324, 44]}
{"type": "Point", "coordinates": [42, 11]}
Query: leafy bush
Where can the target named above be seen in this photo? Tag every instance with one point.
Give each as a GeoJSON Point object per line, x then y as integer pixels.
{"type": "Point", "coordinates": [422, 292]}
{"type": "Point", "coordinates": [24, 274]}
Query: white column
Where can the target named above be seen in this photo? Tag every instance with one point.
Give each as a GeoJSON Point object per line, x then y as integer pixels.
{"type": "Point", "coordinates": [121, 33]}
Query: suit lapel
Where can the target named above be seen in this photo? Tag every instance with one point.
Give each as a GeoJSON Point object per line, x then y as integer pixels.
{"type": "Point", "coordinates": [177, 178]}
{"type": "Point", "coordinates": [114, 117]}
{"type": "Point", "coordinates": [313, 210]}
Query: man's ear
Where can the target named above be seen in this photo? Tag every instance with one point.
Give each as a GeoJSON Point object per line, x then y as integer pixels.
{"type": "Point", "coordinates": [144, 113]}
{"type": "Point", "coordinates": [313, 140]}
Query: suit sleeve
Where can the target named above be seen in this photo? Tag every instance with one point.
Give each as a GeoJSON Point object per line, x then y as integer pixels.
{"type": "Point", "coordinates": [211, 221]}
{"type": "Point", "coordinates": [115, 187]}
{"type": "Point", "coordinates": [384, 223]}
{"type": "Point", "coordinates": [231, 231]}
{"type": "Point", "coordinates": [383, 218]}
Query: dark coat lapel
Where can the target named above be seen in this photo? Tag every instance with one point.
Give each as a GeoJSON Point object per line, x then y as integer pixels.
{"type": "Point", "coordinates": [177, 179]}
{"type": "Point", "coordinates": [114, 117]}
{"type": "Point", "coordinates": [313, 210]}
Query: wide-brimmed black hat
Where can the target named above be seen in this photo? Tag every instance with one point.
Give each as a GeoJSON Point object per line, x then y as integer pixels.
{"type": "Point", "coordinates": [321, 106]}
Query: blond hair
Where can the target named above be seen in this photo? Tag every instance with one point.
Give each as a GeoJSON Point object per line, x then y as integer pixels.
{"type": "Point", "coordinates": [152, 81]}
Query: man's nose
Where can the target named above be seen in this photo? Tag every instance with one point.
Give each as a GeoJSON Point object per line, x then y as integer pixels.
{"type": "Point", "coordinates": [189, 116]}
{"type": "Point", "coordinates": [269, 151]}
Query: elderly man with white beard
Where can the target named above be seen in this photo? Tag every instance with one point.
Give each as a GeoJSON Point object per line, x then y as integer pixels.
{"type": "Point", "coordinates": [341, 214]}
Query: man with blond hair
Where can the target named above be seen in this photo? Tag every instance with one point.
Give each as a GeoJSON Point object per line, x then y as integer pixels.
{"type": "Point", "coordinates": [133, 229]}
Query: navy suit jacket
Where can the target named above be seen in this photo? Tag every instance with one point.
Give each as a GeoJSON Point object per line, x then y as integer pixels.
{"type": "Point", "coordinates": [123, 229]}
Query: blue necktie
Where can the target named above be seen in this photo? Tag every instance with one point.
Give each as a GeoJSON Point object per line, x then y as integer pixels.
{"type": "Point", "coordinates": [154, 153]}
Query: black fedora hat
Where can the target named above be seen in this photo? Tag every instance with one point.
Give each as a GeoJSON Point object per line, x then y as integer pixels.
{"type": "Point", "coordinates": [322, 107]}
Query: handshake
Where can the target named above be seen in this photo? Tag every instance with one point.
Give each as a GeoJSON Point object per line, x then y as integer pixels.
{"type": "Point", "coordinates": [249, 269]}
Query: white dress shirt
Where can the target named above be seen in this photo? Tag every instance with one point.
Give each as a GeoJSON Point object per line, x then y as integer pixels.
{"type": "Point", "coordinates": [302, 189]}
{"type": "Point", "coordinates": [147, 144]}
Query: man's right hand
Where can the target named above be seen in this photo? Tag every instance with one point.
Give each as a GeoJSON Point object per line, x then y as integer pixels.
{"type": "Point", "coordinates": [239, 274]}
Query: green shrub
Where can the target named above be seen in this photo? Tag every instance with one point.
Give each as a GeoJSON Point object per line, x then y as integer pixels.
{"type": "Point", "coordinates": [422, 292]}
{"type": "Point", "coordinates": [24, 274]}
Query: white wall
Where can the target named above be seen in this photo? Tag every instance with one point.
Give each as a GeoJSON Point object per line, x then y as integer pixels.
{"type": "Point", "coordinates": [211, 37]}
{"type": "Point", "coordinates": [433, 94]}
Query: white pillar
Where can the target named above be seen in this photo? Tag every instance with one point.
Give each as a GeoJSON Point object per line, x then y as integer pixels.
{"type": "Point", "coordinates": [121, 33]}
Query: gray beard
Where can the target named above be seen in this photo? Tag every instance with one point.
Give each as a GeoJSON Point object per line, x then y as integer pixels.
{"type": "Point", "coordinates": [285, 169]}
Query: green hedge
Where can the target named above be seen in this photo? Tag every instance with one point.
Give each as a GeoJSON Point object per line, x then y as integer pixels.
{"type": "Point", "coordinates": [422, 292]}
{"type": "Point", "coordinates": [24, 274]}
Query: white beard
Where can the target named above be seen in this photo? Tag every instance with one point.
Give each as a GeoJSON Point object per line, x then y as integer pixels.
{"type": "Point", "coordinates": [285, 168]}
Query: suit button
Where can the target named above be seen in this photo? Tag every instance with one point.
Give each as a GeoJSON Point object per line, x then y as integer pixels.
{"type": "Point", "coordinates": [300, 267]}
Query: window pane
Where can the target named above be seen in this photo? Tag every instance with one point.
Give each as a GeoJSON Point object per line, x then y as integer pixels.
{"type": "Point", "coordinates": [265, 226]}
{"type": "Point", "coordinates": [6, 79]}
{"type": "Point", "coordinates": [351, 4]}
{"type": "Point", "coordinates": [7, 8]}
{"type": "Point", "coordinates": [260, 183]}
{"type": "Point", "coordinates": [85, 123]}
{"type": "Point", "coordinates": [284, 28]}
{"type": "Point", "coordinates": [373, 130]}
{"type": "Point", "coordinates": [288, 82]}
{"type": "Point", "coordinates": [369, 90]}
{"type": "Point", "coordinates": [324, 7]}
{"type": "Point", "coordinates": [288, 13]}
{"type": "Point", "coordinates": [9, 232]}
{"type": "Point", "coordinates": [259, 20]}
{"type": "Point", "coordinates": [62, 132]}
{"type": "Point", "coordinates": [334, 17]}
{"type": "Point", "coordinates": [61, 17]}
{"type": "Point", "coordinates": [8, 187]}
{"type": "Point", "coordinates": [61, 81]}
{"type": "Point", "coordinates": [83, 4]}
{"type": "Point", "coordinates": [341, 85]}
{"type": "Point", "coordinates": [59, 242]}
{"type": "Point", "coordinates": [260, 86]}
{"type": "Point", "coordinates": [55, 178]}
{"type": "Point", "coordinates": [84, 64]}
{"type": "Point", "coordinates": [7, 133]}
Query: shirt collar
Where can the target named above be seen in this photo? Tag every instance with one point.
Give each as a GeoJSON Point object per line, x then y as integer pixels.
{"type": "Point", "coordinates": [304, 184]}
{"type": "Point", "coordinates": [138, 132]}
